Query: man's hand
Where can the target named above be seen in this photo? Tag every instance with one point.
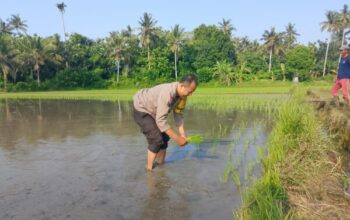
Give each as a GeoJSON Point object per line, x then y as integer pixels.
{"type": "Point", "coordinates": [178, 139]}
{"type": "Point", "coordinates": [182, 132]}
{"type": "Point", "coordinates": [181, 141]}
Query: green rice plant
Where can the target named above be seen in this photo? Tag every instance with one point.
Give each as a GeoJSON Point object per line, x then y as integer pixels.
{"type": "Point", "coordinates": [236, 178]}
{"type": "Point", "coordinates": [267, 198]}
{"type": "Point", "coordinates": [255, 132]}
{"type": "Point", "coordinates": [261, 154]}
{"type": "Point", "coordinates": [196, 139]}
{"type": "Point", "coordinates": [246, 146]}
{"type": "Point", "coordinates": [237, 160]}
{"type": "Point", "coordinates": [239, 134]}
{"type": "Point", "coordinates": [227, 172]}
{"type": "Point", "coordinates": [249, 171]}
{"type": "Point", "coordinates": [230, 150]}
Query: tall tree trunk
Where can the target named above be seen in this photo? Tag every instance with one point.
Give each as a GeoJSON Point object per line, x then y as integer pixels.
{"type": "Point", "coordinates": [38, 78]}
{"type": "Point", "coordinates": [270, 63]}
{"type": "Point", "coordinates": [15, 75]}
{"type": "Point", "coordinates": [148, 57]}
{"type": "Point", "coordinates": [175, 65]}
{"type": "Point", "coordinates": [326, 57]}
{"type": "Point", "coordinates": [5, 70]}
{"type": "Point", "coordinates": [64, 27]}
{"type": "Point", "coordinates": [118, 69]}
{"type": "Point", "coordinates": [5, 79]}
{"type": "Point", "coordinates": [65, 39]}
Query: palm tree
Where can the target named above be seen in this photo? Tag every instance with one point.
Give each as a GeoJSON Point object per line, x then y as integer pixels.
{"type": "Point", "coordinates": [329, 25]}
{"type": "Point", "coordinates": [224, 71]}
{"type": "Point", "coordinates": [131, 40]}
{"type": "Point", "coordinates": [18, 24]}
{"type": "Point", "coordinates": [291, 34]}
{"type": "Point", "coordinates": [61, 8]}
{"type": "Point", "coordinates": [19, 57]}
{"type": "Point", "coordinates": [5, 28]}
{"type": "Point", "coordinates": [41, 51]}
{"type": "Point", "coordinates": [5, 58]}
{"type": "Point", "coordinates": [118, 46]}
{"type": "Point", "coordinates": [273, 42]}
{"type": "Point", "coordinates": [344, 21]}
{"type": "Point", "coordinates": [148, 32]}
{"type": "Point", "coordinates": [226, 26]}
{"type": "Point", "coordinates": [128, 33]}
{"type": "Point", "coordinates": [176, 41]}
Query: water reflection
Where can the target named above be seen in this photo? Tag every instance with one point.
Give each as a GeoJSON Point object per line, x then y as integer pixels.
{"type": "Point", "coordinates": [86, 160]}
{"type": "Point", "coordinates": [159, 203]}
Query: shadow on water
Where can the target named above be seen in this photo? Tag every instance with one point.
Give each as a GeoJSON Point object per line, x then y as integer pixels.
{"type": "Point", "coordinates": [198, 151]}
{"type": "Point", "coordinates": [86, 160]}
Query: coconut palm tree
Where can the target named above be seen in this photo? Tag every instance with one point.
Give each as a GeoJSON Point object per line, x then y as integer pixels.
{"type": "Point", "coordinates": [6, 56]}
{"type": "Point", "coordinates": [18, 24]}
{"type": "Point", "coordinates": [330, 25]}
{"type": "Point", "coordinates": [148, 33]}
{"type": "Point", "coordinates": [291, 35]}
{"type": "Point", "coordinates": [273, 42]}
{"type": "Point", "coordinates": [19, 57]}
{"type": "Point", "coordinates": [5, 28]}
{"type": "Point", "coordinates": [344, 21]}
{"type": "Point", "coordinates": [226, 26]}
{"type": "Point", "coordinates": [61, 8]}
{"type": "Point", "coordinates": [176, 42]}
{"type": "Point", "coordinates": [128, 33]}
{"type": "Point", "coordinates": [132, 42]}
{"type": "Point", "coordinates": [42, 50]}
{"type": "Point", "coordinates": [118, 47]}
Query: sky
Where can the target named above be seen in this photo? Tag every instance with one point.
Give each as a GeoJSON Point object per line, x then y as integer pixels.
{"type": "Point", "coordinates": [95, 19]}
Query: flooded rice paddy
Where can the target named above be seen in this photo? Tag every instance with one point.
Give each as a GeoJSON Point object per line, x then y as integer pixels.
{"type": "Point", "coordinates": [86, 160]}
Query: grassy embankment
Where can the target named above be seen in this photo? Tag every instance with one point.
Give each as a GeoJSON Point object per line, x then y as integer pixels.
{"type": "Point", "coordinates": [302, 173]}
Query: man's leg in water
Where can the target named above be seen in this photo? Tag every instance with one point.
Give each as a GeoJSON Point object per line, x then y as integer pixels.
{"type": "Point", "coordinates": [150, 159]}
{"type": "Point", "coordinates": [160, 158]}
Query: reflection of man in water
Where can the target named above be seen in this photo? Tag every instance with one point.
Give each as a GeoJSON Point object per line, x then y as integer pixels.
{"type": "Point", "coordinates": [151, 109]}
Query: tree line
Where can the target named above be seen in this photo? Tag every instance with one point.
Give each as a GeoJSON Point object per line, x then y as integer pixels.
{"type": "Point", "coordinates": [149, 54]}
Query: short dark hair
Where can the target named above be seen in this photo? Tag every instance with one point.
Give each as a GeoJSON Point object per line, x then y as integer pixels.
{"type": "Point", "coordinates": [189, 78]}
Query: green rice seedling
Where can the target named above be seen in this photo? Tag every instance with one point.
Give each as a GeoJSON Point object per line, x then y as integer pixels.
{"type": "Point", "coordinates": [196, 139]}
{"type": "Point", "coordinates": [236, 178]}
{"type": "Point", "coordinates": [261, 154]}
{"type": "Point", "coordinates": [237, 160]}
{"type": "Point", "coordinates": [249, 171]}
{"type": "Point", "coordinates": [230, 150]}
{"type": "Point", "coordinates": [255, 132]}
{"type": "Point", "coordinates": [227, 172]}
{"type": "Point", "coordinates": [245, 147]}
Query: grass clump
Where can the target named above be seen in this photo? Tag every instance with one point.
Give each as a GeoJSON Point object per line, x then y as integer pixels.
{"type": "Point", "coordinates": [297, 173]}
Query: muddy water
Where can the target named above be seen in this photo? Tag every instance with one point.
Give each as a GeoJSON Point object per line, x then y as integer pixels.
{"type": "Point", "coordinates": [86, 160]}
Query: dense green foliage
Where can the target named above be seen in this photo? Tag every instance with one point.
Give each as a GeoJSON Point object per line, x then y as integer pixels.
{"type": "Point", "coordinates": [153, 55]}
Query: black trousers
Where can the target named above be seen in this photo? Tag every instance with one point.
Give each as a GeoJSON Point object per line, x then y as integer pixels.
{"type": "Point", "coordinates": [156, 139]}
